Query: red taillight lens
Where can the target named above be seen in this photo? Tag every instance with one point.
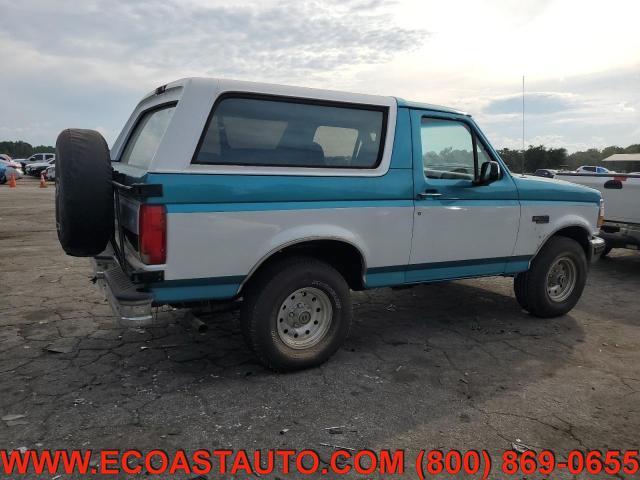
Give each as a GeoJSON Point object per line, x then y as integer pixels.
{"type": "Point", "coordinates": [153, 234]}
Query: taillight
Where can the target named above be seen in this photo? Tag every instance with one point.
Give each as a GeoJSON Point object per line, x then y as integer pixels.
{"type": "Point", "coordinates": [153, 234]}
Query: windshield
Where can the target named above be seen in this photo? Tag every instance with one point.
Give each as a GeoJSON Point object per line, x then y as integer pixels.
{"type": "Point", "coordinates": [146, 137]}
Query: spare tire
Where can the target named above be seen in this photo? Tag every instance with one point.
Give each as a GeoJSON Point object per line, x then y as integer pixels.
{"type": "Point", "coordinates": [84, 192]}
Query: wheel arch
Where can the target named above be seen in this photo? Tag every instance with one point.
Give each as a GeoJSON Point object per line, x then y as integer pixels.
{"type": "Point", "coordinates": [344, 255]}
{"type": "Point", "coordinates": [578, 232]}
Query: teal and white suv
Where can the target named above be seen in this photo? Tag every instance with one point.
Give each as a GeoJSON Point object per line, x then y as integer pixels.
{"type": "Point", "coordinates": [288, 198]}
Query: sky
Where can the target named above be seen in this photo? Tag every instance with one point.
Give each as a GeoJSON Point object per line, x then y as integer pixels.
{"type": "Point", "coordinates": [87, 63]}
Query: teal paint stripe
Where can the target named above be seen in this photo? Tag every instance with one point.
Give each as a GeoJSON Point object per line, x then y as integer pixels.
{"type": "Point", "coordinates": [466, 202]}
{"type": "Point", "coordinates": [391, 279]}
{"type": "Point", "coordinates": [274, 206]}
{"type": "Point", "coordinates": [448, 264]}
{"type": "Point", "coordinates": [194, 293]}
{"type": "Point", "coordinates": [517, 266]}
{"type": "Point", "coordinates": [384, 279]}
{"type": "Point", "coordinates": [453, 273]}
{"type": "Point", "coordinates": [555, 203]}
{"type": "Point", "coordinates": [238, 279]}
{"type": "Point", "coordinates": [187, 188]}
{"type": "Point", "coordinates": [224, 288]}
{"type": "Point", "coordinates": [452, 270]}
{"type": "Point", "coordinates": [197, 289]}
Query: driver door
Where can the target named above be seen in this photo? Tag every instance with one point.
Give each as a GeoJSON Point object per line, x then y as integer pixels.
{"type": "Point", "coordinates": [461, 228]}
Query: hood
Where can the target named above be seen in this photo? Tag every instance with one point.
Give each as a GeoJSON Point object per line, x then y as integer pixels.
{"type": "Point", "coordinates": [551, 189]}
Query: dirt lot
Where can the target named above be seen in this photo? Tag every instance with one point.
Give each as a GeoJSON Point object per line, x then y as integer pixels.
{"type": "Point", "coordinates": [454, 365]}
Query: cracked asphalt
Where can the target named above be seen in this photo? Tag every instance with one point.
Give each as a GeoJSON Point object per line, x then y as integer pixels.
{"type": "Point", "coordinates": [452, 365]}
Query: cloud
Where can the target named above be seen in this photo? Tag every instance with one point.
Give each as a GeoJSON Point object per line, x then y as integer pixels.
{"type": "Point", "coordinates": [272, 40]}
{"type": "Point", "coordinates": [536, 103]}
{"type": "Point", "coordinates": [577, 113]}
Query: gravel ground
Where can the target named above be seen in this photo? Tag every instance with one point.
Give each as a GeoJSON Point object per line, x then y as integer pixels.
{"type": "Point", "coordinates": [452, 365]}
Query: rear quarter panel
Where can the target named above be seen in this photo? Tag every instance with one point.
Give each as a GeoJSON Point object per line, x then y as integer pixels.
{"type": "Point", "coordinates": [233, 231]}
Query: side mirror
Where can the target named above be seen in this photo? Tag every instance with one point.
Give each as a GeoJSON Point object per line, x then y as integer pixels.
{"type": "Point", "coordinates": [489, 173]}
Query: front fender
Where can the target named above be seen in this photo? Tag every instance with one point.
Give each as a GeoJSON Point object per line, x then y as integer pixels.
{"type": "Point", "coordinates": [533, 235]}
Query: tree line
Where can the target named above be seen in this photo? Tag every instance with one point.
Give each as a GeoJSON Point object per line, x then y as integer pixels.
{"type": "Point", "coordinates": [22, 149]}
{"type": "Point", "coordinates": [539, 156]}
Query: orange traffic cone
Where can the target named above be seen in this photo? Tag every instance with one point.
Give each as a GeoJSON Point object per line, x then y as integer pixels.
{"type": "Point", "coordinates": [43, 182]}
{"type": "Point", "coordinates": [12, 181]}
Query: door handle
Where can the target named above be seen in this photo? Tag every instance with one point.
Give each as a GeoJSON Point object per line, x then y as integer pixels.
{"type": "Point", "coordinates": [429, 194]}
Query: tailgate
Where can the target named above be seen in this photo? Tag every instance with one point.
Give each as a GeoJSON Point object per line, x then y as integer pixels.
{"type": "Point", "coordinates": [621, 193]}
{"type": "Point", "coordinates": [128, 200]}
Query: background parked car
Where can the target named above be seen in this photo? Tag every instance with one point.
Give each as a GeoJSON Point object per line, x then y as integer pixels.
{"type": "Point", "coordinates": [3, 176]}
{"type": "Point", "coordinates": [36, 158]}
{"type": "Point", "coordinates": [621, 195]}
{"type": "Point", "coordinates": [545, 172]}
{"type": "Point", "coordinates": [50, 173]}
{"type": "Point", "coordinates": [12, 168]}
{"type": "Point", "coordinates": [592, 169]}
{"type": "Point", "coordinates": [35, 169]}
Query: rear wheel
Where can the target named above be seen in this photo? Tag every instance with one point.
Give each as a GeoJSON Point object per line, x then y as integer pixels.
{"type": "Point", "coordinates": [296, 313]}
{"type": "Point", "coordinates": [555, 280]}
{"type": "Point", "coordinates": [607, 250]}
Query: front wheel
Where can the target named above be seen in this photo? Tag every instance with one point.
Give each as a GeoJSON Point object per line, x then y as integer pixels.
{"type": "Point", "coordinates": [296, 313]}
{"type": "Point", "coordinates": [554, 283]}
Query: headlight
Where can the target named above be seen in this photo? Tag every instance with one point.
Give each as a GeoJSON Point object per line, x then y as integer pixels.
{"type": "Point", "coordinates": [601, 213]}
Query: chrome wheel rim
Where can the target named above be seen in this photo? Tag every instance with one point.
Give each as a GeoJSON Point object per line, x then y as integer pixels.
{"type": "Point", "coordinates": [304, 318]}
{"type": "Point", "coordinates": [561, 279]}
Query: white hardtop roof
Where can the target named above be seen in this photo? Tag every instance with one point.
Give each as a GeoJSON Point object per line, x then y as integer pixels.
{"type": "Point", "coordinates": [623, 157]}
{"type": "Point", "coordinates": [222, 84]}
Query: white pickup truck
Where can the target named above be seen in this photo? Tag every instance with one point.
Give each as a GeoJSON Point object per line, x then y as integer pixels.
{"type": "Point", "coordinates": [621, 194]}
{"type": "Point", "coordinates": [287, 198]}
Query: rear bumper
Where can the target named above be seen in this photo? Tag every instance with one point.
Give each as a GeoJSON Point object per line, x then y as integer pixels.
{"type": "Point", "coordinates": [597, 246]}
{"type": "Point", "coordinates": [132, 307]}
{"type": "Point", "coordinates": [621, 235]}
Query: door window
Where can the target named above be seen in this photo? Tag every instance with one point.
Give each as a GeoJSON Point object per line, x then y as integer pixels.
{"type": "Point", "coordinates": [481, 152]}
{"type": "Point", "coordinates": [447, 149]}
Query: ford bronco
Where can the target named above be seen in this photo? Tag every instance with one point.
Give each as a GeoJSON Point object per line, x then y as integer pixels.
{"type": "Point", "coordinates": [287, 198]}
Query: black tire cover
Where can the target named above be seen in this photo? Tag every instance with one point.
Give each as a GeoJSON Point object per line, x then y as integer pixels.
{"type": "Point", "coordinates": [84, 192]}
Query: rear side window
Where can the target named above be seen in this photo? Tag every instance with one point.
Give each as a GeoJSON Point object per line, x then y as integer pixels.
{"type": "Point", "coordinates": [278, 132]}
{"type": "Point", "coordinates": [146, 136]}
